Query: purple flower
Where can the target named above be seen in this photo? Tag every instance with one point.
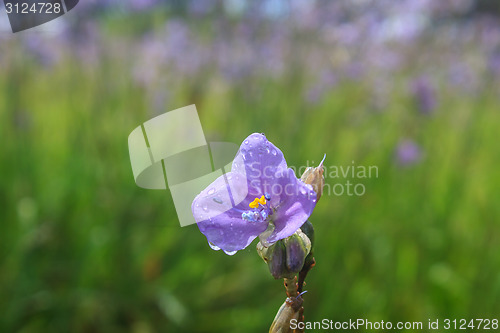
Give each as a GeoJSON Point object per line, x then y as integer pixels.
{"type": "Point", "coordinates": [494, 64]}
{"type": "Point", "coordinates": [260, 196]}
{"type": "Point", "coordinates": [425, 95]}
{"type": "Point", "coordinates": [408, 152]}
{"type": "Point", "coordinates": [142, 4]}
{"type": "Point", "coordinates": [200, 7]}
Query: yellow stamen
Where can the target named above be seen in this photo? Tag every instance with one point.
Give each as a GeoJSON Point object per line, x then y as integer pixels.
{"type": "Point", "coordinates": [256, 201]}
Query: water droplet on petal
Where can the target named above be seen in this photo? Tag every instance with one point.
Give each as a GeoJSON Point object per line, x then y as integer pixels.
{"type": "Point", "coordinates": [211, 191]}
{"type": "Point", "coordinates": [230, 253]}
{"type": "Point", "coordinates": [213, 246]}
{"type": "Point", "coordinates": [205, 208]}
{"type": "Point", "coordinates": [246, 142]}
{"type": "Point", "coordinates": [229, 177]}
{"type": "Point", "coordinates": [274, 152]}
{"type": "Point", "coordinates": [268, 150]}
{"type": "Point", "coordinates": [219, 201]}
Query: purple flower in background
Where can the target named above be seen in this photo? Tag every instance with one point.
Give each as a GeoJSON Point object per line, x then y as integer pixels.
{"type": "Point", "coordinates": [463, 76]}
{"type": "Point", "coordinates": [326, 81]}
{"type": "Point", "coordinates": [142, 4]}
{"type": "Point", "coordinates": [261, 196]}
{"type": "Point", "coordinates": [200, 7]}
{"type": "Point", "coordinates": [408, 153]}
{"type": "Point", "coordinates": [425, 95]}
{"type": "Point", "coordinates": [494, 64]}
{"type": "Point", "coordinates": [42, 49]}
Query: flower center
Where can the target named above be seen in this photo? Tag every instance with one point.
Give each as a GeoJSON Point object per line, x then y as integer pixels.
{"type": "Point", "coordinates": [255, 203]}
{"type": "Point", "coordinates": [261, 209]}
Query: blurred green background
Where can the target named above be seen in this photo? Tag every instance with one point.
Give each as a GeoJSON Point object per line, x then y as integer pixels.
{"type": "Point", "coordinates": [410, 87]}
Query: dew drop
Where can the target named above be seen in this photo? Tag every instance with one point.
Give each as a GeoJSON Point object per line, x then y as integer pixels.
{"type": "Point", "coordinates": [303, 190]}
{"type": "Point", "coordinates": [213, 246]}
{"type": "Point", "coordinates": [274, 152]}
{"type": "Point", "coordinates": [211, 191]}
{"type": "Point", "coordinates": [230, 253]}
{"type": "Point", "coordinates": [268, 150]}
{"type": "Point", "coordinates": [229, 177]}
{"type": "Point", "coordinates": [219, 201]}
{"type": "Point", "coordinates": [205, 208]}
{"type": "Point", "coordinates": [246, 142]}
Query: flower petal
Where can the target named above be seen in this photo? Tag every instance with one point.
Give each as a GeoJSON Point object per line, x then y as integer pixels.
{"type": "Point", "coordinates": [259, 160]}
{"type": "Point", "coordinates": [217, 211]}
{"type": "Point", "coordinates": [296, 203]}
{"type": "Point", "coordinates": [230, 232]}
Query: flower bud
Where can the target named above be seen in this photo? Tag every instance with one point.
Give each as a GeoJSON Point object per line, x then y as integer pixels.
{"type": "Point", "coordinates": [286, 257]}
{"type": "Point", "coordinates": [275, 257]}
{"type": "Point", "coordinates": [297, 247]}
{"type": "Point", "coordinates": [307, 228]}
{"type": "Point", "coordinates": [315, 178]}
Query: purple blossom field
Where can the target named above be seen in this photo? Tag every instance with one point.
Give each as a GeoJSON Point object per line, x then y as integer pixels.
{"type": "Point", "coordinates": [410, 88]}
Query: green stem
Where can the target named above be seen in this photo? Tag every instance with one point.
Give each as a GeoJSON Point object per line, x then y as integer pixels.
{"type": "Point", "coordinates": [291, 287]}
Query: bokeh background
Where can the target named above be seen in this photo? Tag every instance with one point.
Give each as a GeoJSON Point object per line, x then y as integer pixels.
{"type": "Point", "coordinates": [409, 86]}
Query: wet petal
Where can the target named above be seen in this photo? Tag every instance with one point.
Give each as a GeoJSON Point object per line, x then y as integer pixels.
{"type": "Point", "coordinates": [217, 211]}
{"type": "Point", "coordinates": [259, 160]}
{"type": "Point", "coordinates": [296, 203]}
{"type": "Point", "coordinates": [222, 195]}
{"type": "Point", "coordinates": [229, 232]}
